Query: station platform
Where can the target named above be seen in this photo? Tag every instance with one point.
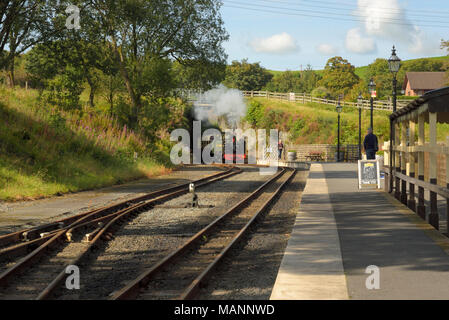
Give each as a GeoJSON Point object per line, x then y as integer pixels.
{"type": "Point", "coordinates": [340, 231]}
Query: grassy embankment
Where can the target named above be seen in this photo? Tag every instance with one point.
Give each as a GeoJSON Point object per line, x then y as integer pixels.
{"type": "Point", "coordinates": [315, 123]}
{"type": "Point", "coordinates": [45, 152]}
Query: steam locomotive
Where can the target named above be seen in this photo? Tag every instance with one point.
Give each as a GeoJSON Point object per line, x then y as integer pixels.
{"type": "Point", "coordinates": [236, 156]}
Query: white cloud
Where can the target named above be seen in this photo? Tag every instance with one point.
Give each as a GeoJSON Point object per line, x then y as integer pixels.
{"type": "Point", "coordinates": [327, 49]}
{"type": "Point", "coordinates": [376, 15]}
{"type": "Point", "coordinates": [279, 43]}
{"type": "Point", "coordinates": [358, 43]}
{"type": "Point", "coordinates": [424, 44]}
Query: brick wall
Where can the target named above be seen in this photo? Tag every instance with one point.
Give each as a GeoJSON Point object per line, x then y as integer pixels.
{"type": "Point", "coordinates": [328, 151]}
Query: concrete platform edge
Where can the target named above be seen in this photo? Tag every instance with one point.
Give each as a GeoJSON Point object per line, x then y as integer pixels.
{"type": "Point", "coordinates": [312, 266]}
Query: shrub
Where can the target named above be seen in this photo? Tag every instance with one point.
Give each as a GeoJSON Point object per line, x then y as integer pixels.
{"type": "Point", "coordinates": [255, 113]}
{"type": "Point", "coordinates": [64, 89]}
{"type": "Point", "coordinates": [321, 92]}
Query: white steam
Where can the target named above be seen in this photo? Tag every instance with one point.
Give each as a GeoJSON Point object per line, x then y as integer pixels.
{"type": "Point", "coordinates": [220, 102]}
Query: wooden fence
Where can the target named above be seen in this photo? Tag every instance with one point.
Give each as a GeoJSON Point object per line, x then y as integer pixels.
{"type": "Point", "coordinates": [418, 159]}
{"type": "Point", "coordinates": [305, 97]}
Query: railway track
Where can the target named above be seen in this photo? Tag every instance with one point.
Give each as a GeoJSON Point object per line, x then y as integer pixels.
{"type": "Point", "coordinates": [181, 274]}
{"type": "Point", "coordinates": [50, 248]}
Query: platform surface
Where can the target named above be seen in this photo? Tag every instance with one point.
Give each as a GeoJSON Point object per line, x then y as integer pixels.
{"type": "Point", "coordinates": [341, 230]}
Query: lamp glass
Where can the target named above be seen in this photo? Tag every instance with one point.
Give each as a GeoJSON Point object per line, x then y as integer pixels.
{"type": "Point", "coordinates": [394, 63]}
{"type": "Point", "coordinates": [339, 108]}
{"type": "Point", "coordinates": [371, 85]}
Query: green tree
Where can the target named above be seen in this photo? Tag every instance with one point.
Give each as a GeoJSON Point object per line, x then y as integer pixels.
{"type": "Point", "coordinates": [139, 31]}
{"type": "Point", "coordinates": [309, 79]}
{"type": "Point", "coordinates": [287, 81]}
{"type": "Point", "coordinates": [246, 76]}
{"type": "Point", "coordinates": [199, 75]}
{"type": "Point", "coordinates": [379, 71]}
{"type": "Point", "coordinates": [339, 76]}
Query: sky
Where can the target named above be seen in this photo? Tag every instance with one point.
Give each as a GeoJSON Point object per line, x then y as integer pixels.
{"type": "Point", "coordinates": [289, 34]}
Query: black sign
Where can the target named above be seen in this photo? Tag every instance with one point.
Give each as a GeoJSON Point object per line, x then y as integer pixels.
{"type": "Point", "coordinates": [369, 173]}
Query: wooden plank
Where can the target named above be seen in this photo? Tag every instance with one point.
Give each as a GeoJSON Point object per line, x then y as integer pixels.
{"type": "Point", "coordinates": [444, 192]}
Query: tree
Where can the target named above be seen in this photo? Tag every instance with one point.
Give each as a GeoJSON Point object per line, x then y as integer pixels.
{"type": "Point", "coordinates": [286, 82]}
{"type": "Point", "coordinates": [25, 23]}
{"type": "Point", "coordinates": [309, 79]}
{"type": "Point", "coordinates": [200, 75]}
{"type": "Point", "coordinates": [139, 31]}
{"type": "Point", "coordinates": [246, 76]}
{"type": "Point", "coordinates": [445, 45]}
{"type": "Point", "coordinates": [380, 72]}
{"type": "Point", "coordinates": [339, 76]}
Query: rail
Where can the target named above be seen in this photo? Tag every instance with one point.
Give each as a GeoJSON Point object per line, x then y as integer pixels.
{"type": "Point", "coordinates": [194, 245]}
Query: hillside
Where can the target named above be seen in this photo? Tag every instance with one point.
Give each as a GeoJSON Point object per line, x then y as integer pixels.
{"type": "Point", "coordinates": [363, 70]}
{"type": "Point", "coordinates": [46, 152]}
{"type": "Point", "coordinates": [315, 123]}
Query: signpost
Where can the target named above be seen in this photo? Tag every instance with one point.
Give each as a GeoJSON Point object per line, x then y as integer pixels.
{"type": "Point", "coordinates": [369, 174]}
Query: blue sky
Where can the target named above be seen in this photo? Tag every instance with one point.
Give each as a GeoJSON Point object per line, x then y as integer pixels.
{"type": "Point", "coordinates": [361, 31]}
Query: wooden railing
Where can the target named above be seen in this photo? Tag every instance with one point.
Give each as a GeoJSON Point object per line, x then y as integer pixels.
{"type": "Point", "coordinates": [305, 97]}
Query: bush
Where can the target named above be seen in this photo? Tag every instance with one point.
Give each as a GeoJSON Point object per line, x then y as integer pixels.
{"type": "Point", "coordinates": [321, 92]}
{"type": "Point", "coordinates": [255, 113]}
{"type": "Point", "coordinates": [64, 89]}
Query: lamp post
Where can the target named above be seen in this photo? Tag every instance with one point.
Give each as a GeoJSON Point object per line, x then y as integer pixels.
{"type": "Point", "coordinates": [372, 90]}
{"type": "Point", "coordinates": [360, 102]}
{"type": "Point", "coordinates": [339, 109]}
{"type": "Point", "coordinates": [394, 64]}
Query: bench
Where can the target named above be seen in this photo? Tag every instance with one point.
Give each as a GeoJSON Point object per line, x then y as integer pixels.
{"type": "Point", "coordinates": [314, 156]}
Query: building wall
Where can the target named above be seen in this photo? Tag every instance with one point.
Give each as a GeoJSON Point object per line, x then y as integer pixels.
{"type": "Point", "coordinates": [408, 90]}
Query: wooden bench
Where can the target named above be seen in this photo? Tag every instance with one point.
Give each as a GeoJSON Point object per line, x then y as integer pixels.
{"type": "Point", "coordinates": [314, 156]}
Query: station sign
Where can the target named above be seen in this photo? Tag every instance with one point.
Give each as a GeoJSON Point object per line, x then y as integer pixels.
{"type": "Point", "coordinates": [369, 174]}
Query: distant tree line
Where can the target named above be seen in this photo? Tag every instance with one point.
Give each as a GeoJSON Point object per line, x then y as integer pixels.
{"type": "Point", "coordinates": [338, 79]}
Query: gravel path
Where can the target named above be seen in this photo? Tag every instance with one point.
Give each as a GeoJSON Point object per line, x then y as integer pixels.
{"type": "Point", "coordinates": [154, 234]}
{"type": "Point", "coordinates": [250, 270]}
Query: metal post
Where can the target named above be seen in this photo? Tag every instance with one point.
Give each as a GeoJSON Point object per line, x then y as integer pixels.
{"type": "Point", "coordinates": [371, 116]}
{"type": "Point", "coordinates": [360, 133]}
{"type": "Point", "coordinates": [391, 154]}
{"type": "Point", "coordinates": [394, 92]}
{"type": "Point", "coordinates": [338, 139]}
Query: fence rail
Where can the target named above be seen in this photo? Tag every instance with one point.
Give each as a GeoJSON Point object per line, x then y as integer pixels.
{"type": "Point", "coordinates": [305, 97]}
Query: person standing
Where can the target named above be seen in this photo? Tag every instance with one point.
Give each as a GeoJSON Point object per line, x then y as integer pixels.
{"type": "Point", "coordinates": [371, 145]}
{"type": "Point", "coordinates": [280, 148]}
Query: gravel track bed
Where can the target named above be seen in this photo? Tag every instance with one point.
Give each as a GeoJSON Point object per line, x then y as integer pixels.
{"type": "Point", "coordinates": [249, 271]}
{"type": "Point", "coordinates": [172, 282]}
{"type": "Point", "coordinates": [153, 234]}
{"type": "Point", "coordinates": [89, 200]}
{"type": "Point", "coordinates": [35, 279]}
{"type": "Point", "coordinates": [180, 176]}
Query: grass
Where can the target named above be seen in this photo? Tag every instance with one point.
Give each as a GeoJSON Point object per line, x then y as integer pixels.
{"type": "Point", "coordinates": [44, 151]}
{"type": "Point", "coordinates": [315, 123]}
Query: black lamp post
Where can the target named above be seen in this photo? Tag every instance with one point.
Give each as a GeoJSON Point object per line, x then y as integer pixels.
{"type": "Point", "coordinates": [360, 102]}
{"type": "Point", "coordinates": [372, 89]}
{"type": "Point", "coordinates": [339, 109]}
{"type": "Point", "coordinates": [394, 64]}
